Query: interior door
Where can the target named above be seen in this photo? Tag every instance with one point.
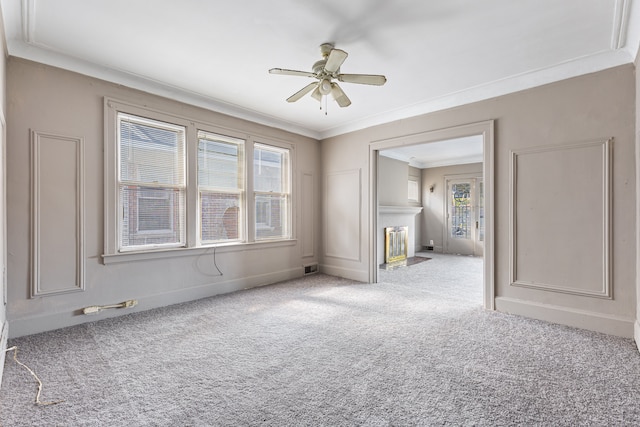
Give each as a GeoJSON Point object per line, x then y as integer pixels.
{"type": "Point", "coordinates": [464, 229]}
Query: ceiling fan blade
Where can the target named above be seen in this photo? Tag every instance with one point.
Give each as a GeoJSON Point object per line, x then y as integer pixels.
{"type": "Point", "coordinates": [316, 94]}
{"type": "Point", "coordinates": [302, 92]}
{"type": "Point", "coordinates": [340, 97]}
{"type": "Point", "coordinates": [291, 72]}
{"type": "Point", "coordinates": [335, 60]}
{"type": "Point", "coordinates": [365, 79]}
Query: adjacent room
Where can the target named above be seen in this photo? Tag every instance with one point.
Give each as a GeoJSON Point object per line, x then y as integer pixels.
{"type": "Point", "coordinates": [319, 213]}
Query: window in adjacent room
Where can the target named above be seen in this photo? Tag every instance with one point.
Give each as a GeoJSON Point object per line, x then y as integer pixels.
{"type": "Point", "coordinates": [272, 197]}
{"type": "Point", "coordinates": [414, 191]}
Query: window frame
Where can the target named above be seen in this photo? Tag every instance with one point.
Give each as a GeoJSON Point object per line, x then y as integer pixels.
{"type": "Point", "coordinates": [193, 244]}
{"type": "Point", "coordinates": [416, 180]}
{"type": "Point", "coordinates": [142, 186]}
{"type": "Point", "coordinates": [242, 165]}
{"type": "Point", "coordinates": [286, 182]}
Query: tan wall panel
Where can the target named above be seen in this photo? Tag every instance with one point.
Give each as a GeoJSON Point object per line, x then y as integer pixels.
{"type": "Point", "coordinates": [560, 221]}
{"type": "Point", "coordinates": [342, 231]}
{"type": "Point", "coordinates": [57, 210]}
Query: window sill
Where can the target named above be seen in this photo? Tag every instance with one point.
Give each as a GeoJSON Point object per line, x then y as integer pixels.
{"type": "Point", "coordinates": [201, 250]}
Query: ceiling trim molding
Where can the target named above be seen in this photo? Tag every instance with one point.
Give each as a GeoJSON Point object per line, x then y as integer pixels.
{"type": "Point", "coordinates": [511, 84]}
{"type": "Point", "coordinates": [33, 52]}
{"type": "Point", "coordinates": [620, 21]}
{"type": "Point", "coordinates": [458, 161]}
{"type": "Point", "coordinates": [28, 9]}
{"type": "Point", "coordinates": [465, 160]}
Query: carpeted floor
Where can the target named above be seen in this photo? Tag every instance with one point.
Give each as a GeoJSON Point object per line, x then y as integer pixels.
{"type": "Point", "coordinates": [415, 349]}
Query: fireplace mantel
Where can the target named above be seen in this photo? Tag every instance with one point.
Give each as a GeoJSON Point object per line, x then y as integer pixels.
{"type": "Point", "coordinates": [391, 216]}
{"type": "Point", "coordinates": [406, 210]}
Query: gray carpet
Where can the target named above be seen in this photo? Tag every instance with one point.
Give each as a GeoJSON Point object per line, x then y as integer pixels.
{"type": "Point", "coordinates": [415, 349]}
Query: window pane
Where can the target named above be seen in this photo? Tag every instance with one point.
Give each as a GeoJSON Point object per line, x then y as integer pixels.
{"type": "Point", "coordinates": [414, 194]}
{"type": "Point", "coordinates": [221, 219]}
{"type": "Point", "coordinates": [268, 167]}
{"type": "Point", "coordinates": [151, 216]}
{"type": "Point", "coordinates": [151, 152]}
{"type": "Point", "coordinates": [218, 164]}
{"type": "Point", "coordinates": [220, 181]}
{"type": "Point", "coordinates": [461, 211]}
{"type": "Point", "coordinates": [271, 216]}
{"type": "Point", "coordinates": [151, 182]}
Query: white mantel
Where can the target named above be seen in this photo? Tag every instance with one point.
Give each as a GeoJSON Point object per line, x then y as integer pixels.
{"type": "Point", "coordinates": [389, 216]}
{"type": "Point", "coordinates": [403, 210]}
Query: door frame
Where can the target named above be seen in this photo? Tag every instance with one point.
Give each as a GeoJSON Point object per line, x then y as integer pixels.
{"type": "Point", "coordinates": [486, 130]}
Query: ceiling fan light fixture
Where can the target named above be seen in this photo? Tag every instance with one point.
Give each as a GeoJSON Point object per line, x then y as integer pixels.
{"type": "Point", "coordinates": [325, 87]}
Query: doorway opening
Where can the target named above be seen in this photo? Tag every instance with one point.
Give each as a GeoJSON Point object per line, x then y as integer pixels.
{"type": "Point", "coordinates": [466, 199]}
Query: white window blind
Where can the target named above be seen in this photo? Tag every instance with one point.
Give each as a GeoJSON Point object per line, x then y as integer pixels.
{"type": "Point", "coordinates": [220, 187]}
{"type": "Point", "coordinates": [271, 184]}
{"type": "Point", "coordinates": [151, 183]}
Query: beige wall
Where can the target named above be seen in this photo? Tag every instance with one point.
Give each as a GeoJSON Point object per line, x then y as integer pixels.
{"type": "Point", "coordinates": [393, 177]}
{"type": "Point", "coordinates": [433, 214]}
{"type": "Point", "coordinates": [587, 108]}
{"type": "Point", "coordinates": [57, 102]}
{"type": "Point", "coordinates": [637, 211]}
{"type": "Point", "coordinates": [392, 182]}
{"type": "Point", "coordinates": [3, 176]}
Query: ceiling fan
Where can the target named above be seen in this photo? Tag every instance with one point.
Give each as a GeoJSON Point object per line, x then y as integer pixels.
{"type": "Point", "coordinates": [325, 70]}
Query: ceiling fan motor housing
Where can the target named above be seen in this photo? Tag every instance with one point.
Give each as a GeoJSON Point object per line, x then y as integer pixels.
{"type": "Point", "coordinates": [318, 67]}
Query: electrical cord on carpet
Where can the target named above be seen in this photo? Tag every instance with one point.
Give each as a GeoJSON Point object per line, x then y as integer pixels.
{"type": "Point", "coordinates": [37, 402]}
{"type": "Point", "coordinates": [215, 264]}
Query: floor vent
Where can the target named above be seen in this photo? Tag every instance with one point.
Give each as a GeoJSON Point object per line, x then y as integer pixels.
{"type": "Point", "coordinates": [310, 269]}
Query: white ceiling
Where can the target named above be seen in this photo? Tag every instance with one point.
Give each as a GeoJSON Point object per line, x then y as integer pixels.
{"type": "Point", "coordinates": [215, 54]}
{"type": "Point", "coordinates": [456, 151]}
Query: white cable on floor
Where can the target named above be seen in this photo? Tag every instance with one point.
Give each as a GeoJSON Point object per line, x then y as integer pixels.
{"type": "Point", "coordinates": [38, 402]}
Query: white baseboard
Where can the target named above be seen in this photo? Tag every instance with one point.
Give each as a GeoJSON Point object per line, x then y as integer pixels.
{"type": "Point", "coordinates": [4, 336]}
{"type": "Point", "coordinates": [347, 273]}
{"type": "Point", "coordinates": [606, 323]}
{"type": "Point", "coordinates": [36, 324]}
{"type": "Point", "coordinates": [636, 333]}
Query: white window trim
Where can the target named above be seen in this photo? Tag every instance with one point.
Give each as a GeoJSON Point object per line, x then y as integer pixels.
{"type": "Point", "coordinates": [417, 201]}
{"type": "Point", "coordinates": [167, 124]}
{"type": "Point", "coordinates": [242, 192]}
{"type": "Point", "coordinates": [287, 182]}
{"type": "Point", "coordinates": [193, 245]}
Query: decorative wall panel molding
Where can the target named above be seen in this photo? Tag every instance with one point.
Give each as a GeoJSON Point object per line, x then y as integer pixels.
{"type": "Point", "coordinates": [343, 213]}
{"type": "Point", "coordinates": [57, 214]}
{"type": "Point", "coordinates": [561, 194]}
{"type": "Point", "coordinates": [308, 221]}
